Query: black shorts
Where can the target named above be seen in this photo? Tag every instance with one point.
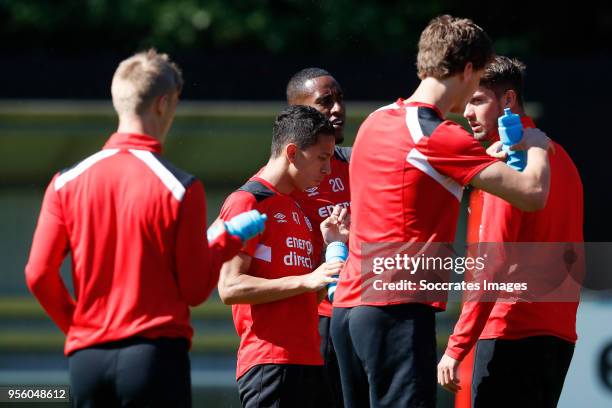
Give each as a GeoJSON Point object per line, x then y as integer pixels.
{"type": "Point", "coordinates": [280, 385]}
{"type": "Point", "coordinates": [135, 372]}
{"type": "Point", "coordinates": [331, 394]}
{"type": "Point", "coordinates": [522, 373]}
{"type": "Point", "coordinates": [387, 355]}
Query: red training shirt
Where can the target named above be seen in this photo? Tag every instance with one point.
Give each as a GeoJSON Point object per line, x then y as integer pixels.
{"type": "Point", "coordinates": [561, 220]}
{"type": "Point", "coordinates": [135, 226]}
{"type": "Point", "coordinates": [318, 203]}
{"type": "Point", "coordinates": [284, 331]}
{"type": "Point", "coordinates": [407, 173]}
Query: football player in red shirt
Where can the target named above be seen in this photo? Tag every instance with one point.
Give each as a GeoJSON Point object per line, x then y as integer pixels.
{"type": "Point", "coordinates": [521, 345]}
{"type": "Point", "coordinates": [407, 172]}
{"type": "Point", "coordinates": [271, 285]}
{"type": "Point", "coordinates": [317, 88]}
{"type": "Point", "coordinates": [135, 226]}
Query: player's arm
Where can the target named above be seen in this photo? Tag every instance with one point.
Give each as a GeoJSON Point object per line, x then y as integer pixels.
{"type": "Point", "coordinates": [502, 224]}
{"type": "Point", "coordinates": [197, 263]}
{"type": "Point", "coordinates": [236, 286]}
{"type": "Point", "coordinates": [527, 190]}
{"type": "Point", "coordinates": [472, 321]}
{"type": "Point", "coordinates": [49, 247]}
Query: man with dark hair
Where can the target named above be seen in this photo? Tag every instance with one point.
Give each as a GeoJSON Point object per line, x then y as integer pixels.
{"type": "Point", "coordinates": [271, 285]}
{"type": "Point", "coordinates": [136, 229]}
{"type": "Point", "coordinates": [408, 168]}
{"type": "Point", "coordinates": [501, 86]}
{"type": "Point", "coordinates": [522, 345]}
{"type": "Point", "coordinates": [317, 88]}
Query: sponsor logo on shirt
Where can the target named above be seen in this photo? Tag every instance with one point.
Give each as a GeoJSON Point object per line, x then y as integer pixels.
{"type": "Point", "coordinates": [280, 217]}
{"type": "Point", "coordinates": [294, 258]}
{"type": "Point", "coordinates": [327, 210]}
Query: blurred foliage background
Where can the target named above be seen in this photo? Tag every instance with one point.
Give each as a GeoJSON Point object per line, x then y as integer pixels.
{"type": "Point", "coordinates": [285, 27]}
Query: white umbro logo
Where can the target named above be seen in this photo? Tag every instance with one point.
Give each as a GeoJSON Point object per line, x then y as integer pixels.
{"type": "Point", "coordinates": [312, 191]}
{"type": "Point", "coordinates": [280, 217]}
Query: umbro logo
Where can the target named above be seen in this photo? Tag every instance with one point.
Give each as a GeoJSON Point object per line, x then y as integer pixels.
{"type": "Point", "coordinates": [280, 217]}
{"type": "Point", "coordinates": [312, 191]}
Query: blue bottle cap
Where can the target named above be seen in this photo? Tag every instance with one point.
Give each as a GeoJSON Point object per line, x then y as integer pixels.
{"type": "Point", "coordinates": [508, 119]}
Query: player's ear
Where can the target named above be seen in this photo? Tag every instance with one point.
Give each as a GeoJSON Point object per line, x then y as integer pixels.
{"type": "Point", "coordinates": [161, 104]}
{"type": "Point", "coordinates": [468, 71]}
{"type": "Point", "coordinates": [290, 152]}
{"type": "Point", "coordinates": [509, 99]}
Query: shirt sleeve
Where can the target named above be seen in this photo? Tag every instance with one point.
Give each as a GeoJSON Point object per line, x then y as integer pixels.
{"type": "Point", "coordinates": [237, 203]}
{"type": "Point", "coordinates": [50, 245]}
{"type": "Point", "coordinates": [199, 262]}
{"type": "Point", "coordinates": [474, 316]}
{"type": "Point", "coordinates": [452, 151]}
{"type": "Point", "coordinates": [501, 222]}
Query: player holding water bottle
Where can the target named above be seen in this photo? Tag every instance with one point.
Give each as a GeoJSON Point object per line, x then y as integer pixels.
{"type": "Point", "coordinates": [526, 346]}
{"type": "Point", "coordinates": [271, 285]}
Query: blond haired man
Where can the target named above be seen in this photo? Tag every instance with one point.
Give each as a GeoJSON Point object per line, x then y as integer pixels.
{"type": "Point", "coordinates": [407, 172]}
{"type": "Point", "coordinates": [135, 226]}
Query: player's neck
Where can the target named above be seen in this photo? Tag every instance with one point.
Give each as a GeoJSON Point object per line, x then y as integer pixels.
{"type": "Point", "coordinates": [276, 173]}
{"type": "Point", "coordinates": [139, 125]}
{"type": "Point", "coordinates": [443, 94]}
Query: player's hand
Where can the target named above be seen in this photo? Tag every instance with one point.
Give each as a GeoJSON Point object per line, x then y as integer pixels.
{"type": "Point", "coordinates": [495, 150]}
{"type": "Point", "coordinates": [532, 137]}
{"type": "Point", "coordinates": [447, 373]}
{"type": "Point", "coordinates": [320, 277]}
{"type": "Point", "coordinates": [336, 226]}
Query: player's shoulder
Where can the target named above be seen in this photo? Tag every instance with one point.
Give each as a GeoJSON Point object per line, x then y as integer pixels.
{"type": "Point", "coordinates": [450, 135]}
{"type": "Point", "coordinates": [559, 154]}
{"type": "Point", "coordinates": [450, 128]}
{"type": "Point", "coordinates": [561, 163]}
{"type": "Point", "coordinates": [423, 119]}
{"type": "Point", "coordinates": [183, 177]}
{"type": "Point", "coordinates": [420, 119]}
{"type": "Point", "coordinates": [71, 173]}
{"type": "Point", "coordinates": [252, 194]}
{"type": "Point", "coordinates": [343, 154]}
{"type": "Point", "coordinates": [256, 191]}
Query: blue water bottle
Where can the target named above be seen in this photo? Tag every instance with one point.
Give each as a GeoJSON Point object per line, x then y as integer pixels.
{"type": "Point", "coordinates": [245, 225]}
{"type": "Point", "coordinates": [510, 133]}
{"type": "Point", "coordinates": [336, 251]}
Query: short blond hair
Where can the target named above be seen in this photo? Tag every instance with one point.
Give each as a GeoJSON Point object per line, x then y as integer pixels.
{"type": "Point", "coordinates": [141, 78]}
{"type": "Point", "coordinates": [448, 43]}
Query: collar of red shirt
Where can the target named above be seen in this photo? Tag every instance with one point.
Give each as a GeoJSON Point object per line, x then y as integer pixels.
{"type": "Point", "coordinates": [404, 102]}
{"type": "Point", "coordinates": [133, 141]}
{"type": "Point", "coordinates": [265, 182]}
